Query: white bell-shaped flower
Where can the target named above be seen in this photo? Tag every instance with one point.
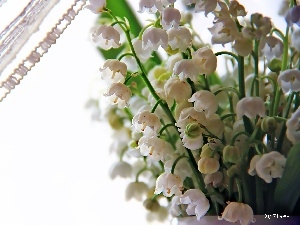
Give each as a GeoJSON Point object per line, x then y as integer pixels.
{"type": "Point", "coordinates": [113, 71]}
{"type": "Point", "coordinates": [197, 203]}
{"type": "Point", "coordinates": [224, 31]}
{"type": "Point", "coordinates": [143, 54]}
{"type": "Point", "coordinates": [250, 107]}
{"type": "Point", "coordinates": [119, 94]}
{"type": "Point", "coordinates": [121, 169]}
{"type": "Point", "coordinates": [186, 68]}
{"type": "Point", "coordinates": [270, 165]}
{"type": "Point", "coordinates": [96, 6]}
{"type": "Point", "coordinates": [172, 86]}
{"type": "Point", "coordinates": [166, 3]}
{"type": "Point", "coordinates": [146, 119]}
{"type": "Point", "coordinates": [214, 178]}
{"type": "Point", "coordinates": [136, 190]}
{"type": "Point", "coordinates": [150, 6]}
{"type": "Point", "coordinates": [180, 38]}
{"type": "Point", "coordinates": [170, 17]}
{"type": "Point", "coordinates": [154, 37]}
{"type": "Point", "coordinates": [243, 46]}
{"type": "Point", "coordinates": [235, 211]}
{"type": "Point", "coordinates": [271, 47]}
{"type": "Point", "coordinates": [156, 149]}
{"type": "Point", "coordinates": [289, 80]}
{"type": "Point", "coordinates": [293, 127]}
{"type": "Point", "coordinates": [262, 24]}
{"type": "Point", "coordinates": [174, 206]}
{"type": "Point", "coordinates": [205, 6]}
{"type": "Point", "coordinates": [295, 40]}
{"type": "Point", "coordinates": [169, 184]}
{"type": "Point", "coordinates": [254, 160]}
{"type": "Point", "coordinates": [205, 60]}
{"type": "Point", "coordinates": [236, 9]}
{"type": "Point", "coordinates": [205, 101]}
{"type": "Point", "coordinates": [107, 37]}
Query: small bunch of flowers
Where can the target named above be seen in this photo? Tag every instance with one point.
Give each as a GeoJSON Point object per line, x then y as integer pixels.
{"type": "Point", "coordinates": [209, 141]}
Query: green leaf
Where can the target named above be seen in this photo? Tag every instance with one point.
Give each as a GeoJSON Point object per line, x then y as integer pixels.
{"type": "Point", "coordinates": [122, 9]}
{"type": "Point", "coordinates": [287, 191]}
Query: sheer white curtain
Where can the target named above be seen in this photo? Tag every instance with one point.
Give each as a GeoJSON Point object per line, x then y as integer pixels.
{"type": "Point", "coordinates": [54, 160]}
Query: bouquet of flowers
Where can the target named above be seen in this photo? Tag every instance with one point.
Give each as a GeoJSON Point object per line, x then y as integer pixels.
{"type": "Point", "coordinates": [204, 128]}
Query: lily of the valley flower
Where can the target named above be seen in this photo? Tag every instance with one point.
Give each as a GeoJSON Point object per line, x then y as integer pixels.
{"type": "Point", "coordinates": [146, 119]}
{"type": "Point", "coordinates": [143, 54]}
{"type": "Point", "coordinates": [205, 101]}
{"type": "Point", "coordinates": [250, 107]}
{"type": "Point", "coordinates": [136, 190]}
{"type": "Point", "coordinates": [224, 31]}
{"type": "Point", "coordinates": [107, 37]}
{"type": "Point", "coordinates": [174, 84]}
{"type": "Point", "coordinates": [186, 68]}
{"type": "Point", "coordinates": [271, 47]}
{"type": "Point", "coordinates": [236, 9]}
{"type": "Point", "coordinates": [243, 46]}
{"type": "Point", "coordinates": [262, 24]}
{"type": "Point", "coordinates": [235, 211]}
{"type": "Point", "coordinates": [205, 6]}
{"type": "Point", "coordinates": [214, 178]}
{"type": "Point", "coordinates": [293, 16]}
{"type": "Point", "coordinates": [113, 71]}
{"type": "Point", "coordinates": [170, 18]}
{"type": "Point", "coordinates": [197, 202]}
{"type": "Point", "coordinates": [121, 169]}
{"type": "Point", "coordinates": [169, 184]}
{"type": "Point", "coordinates": [154, 37]}
{"type": "Point", "coordinates": [289, 80]}
{"type": "Point", "coordinates": [96, 6]}
{"type": "Point", "coordinates": [119, 94]}
{"type": "Point", "coordinates": [180, 38]}
{"type": "Point", "coordinates": [293, 127]}
{"type": "Point", "coordinates": [205, 60]}
{"type": "Point", "coordinates": [267, 166]}
{"type": "Point", "coordinates": [192, 124]}
{"type": "Point", "coordinates": [156, 149]}
{"type": "Point", "coordinates": [149, 6]}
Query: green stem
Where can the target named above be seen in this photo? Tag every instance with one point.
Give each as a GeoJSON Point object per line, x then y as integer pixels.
{"type": "Point", "coordinates": [227, 53]}
{"type": "Point", "coordinates": [283, 128]}
{"type": "Point", "coordinates": [241, 76]}
{"type": "Point", "coordinates": [259, 196]}
{"type": "Point", "coordinates": [236, 136]}
{"type": "Point", "coordinates": [165, 127]}
{"type": "Point", "coordinates": [155, 106]}
{"type": "Point", "coordinates": [175, 163]}
{"type": "Point", "coordinates": [255, 82]}
{"type": "Point", "coordinates": [239, 187]}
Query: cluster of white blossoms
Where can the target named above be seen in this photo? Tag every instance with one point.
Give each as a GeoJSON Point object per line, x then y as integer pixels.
{"type": "Point", "coordinates": [184, 132]}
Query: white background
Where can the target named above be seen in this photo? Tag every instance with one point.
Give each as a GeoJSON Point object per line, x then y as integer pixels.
{"type": "Point", "coordinates": [54, 160]}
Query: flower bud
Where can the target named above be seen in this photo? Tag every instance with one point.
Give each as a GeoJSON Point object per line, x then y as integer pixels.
{"type": "Point", "coordinates": [208, 165]}
{"type": "Point", "coordinates": [234, 170]}
{"type": "Point", "coordinates": [231, 154]}
{"type": "Point", "coordinates": [193, 130]}
{"type": "Point", "coordinates": [206, 151]}
{"type": "Point", "coordinates": [151, 205]}
{"type": "Point", "coordinates": [275, 65]}
{"type": "Point", "coordinates": [115, 121]}
{"type": "Point", "coordinates": [269, 125]}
